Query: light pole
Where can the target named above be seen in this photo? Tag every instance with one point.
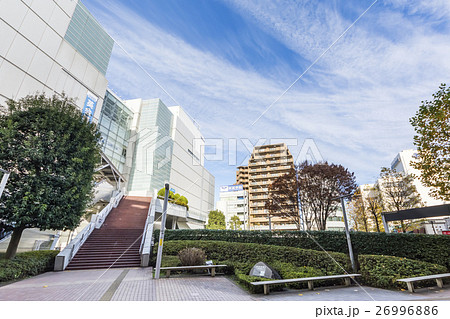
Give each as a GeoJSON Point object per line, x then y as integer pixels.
{"type": "Point", "coordinates": [161, 232]}
{"type": "Point", "coordinates": [299, 203]}
{"type": "Point", "coordinates": [347, 232]}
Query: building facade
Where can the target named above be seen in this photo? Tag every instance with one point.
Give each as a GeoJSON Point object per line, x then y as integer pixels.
{"type": "Point", "coordinates": [233, 201]}
{"type": "Point", "coordinates": [52, 47]}
{"type": "Point", "coordinates": [402, 164]}
{"type": "Point", "coordinates": [153, 144]}
{"type": "Point", "coordinates": [266, 163]}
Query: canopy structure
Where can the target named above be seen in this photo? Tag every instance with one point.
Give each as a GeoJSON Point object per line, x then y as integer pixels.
{"type": "Point", "coordinates": [415, 213]}
{"type": "Point", "coordinates": [108, 171]}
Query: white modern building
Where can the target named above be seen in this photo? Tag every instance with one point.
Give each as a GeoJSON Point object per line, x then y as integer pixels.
{"type": "Point", "coordinates": [233, 201]}
{"type": "Point", "coordinates": [161, 144]}
{"type": "Point", "coordinates": [53, 46]}
{"type": "Point", "coordinates": [402, 163]}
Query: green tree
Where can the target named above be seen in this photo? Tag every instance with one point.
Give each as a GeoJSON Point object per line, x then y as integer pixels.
{"type": "Point", "coordinates": [432, 125]}
{"type": "Point", "coordinates": [216, 220]}
{"type": "Point", "coordinates": [235, 223]}
{"type": "Point", "coordinates": [397, 193]}
{"type": "Point", "coordinates": [51, 152]}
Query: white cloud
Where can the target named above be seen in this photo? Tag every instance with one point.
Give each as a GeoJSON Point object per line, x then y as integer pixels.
{"type": "Point", "coordinates": [355, 103]}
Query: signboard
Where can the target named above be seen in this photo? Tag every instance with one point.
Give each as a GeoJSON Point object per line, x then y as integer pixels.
{"type": "Point", "coordinates": [89, 105]}
{"type": "Point", "coordinates": [231, 188]}
{"type": "Point", "coordinates": [446, 232]}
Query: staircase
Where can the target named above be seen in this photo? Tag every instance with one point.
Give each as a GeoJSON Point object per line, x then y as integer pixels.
{"type": "Point", "coordinates": [116, 244]}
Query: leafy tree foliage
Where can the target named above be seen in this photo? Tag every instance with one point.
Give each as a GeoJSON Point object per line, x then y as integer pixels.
{"type": "Point", "coordinates": [51, 152]}
{"type": "Point", "coordinates": [432, 126]}
{"type": "Point", "coordinates": [365, 209]}
{"type": "Point", "coordinates": [317, 185]}
{"type": "Point", "coordinates": [235, 223]}
{"type": "Point", "coordinates": [358, 212]}
{"type": "Point", "coordinates": [398, 193]}
{"type": "Point", "coordinates": [216, 220]}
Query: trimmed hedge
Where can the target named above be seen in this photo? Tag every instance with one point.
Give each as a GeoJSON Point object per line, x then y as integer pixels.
{"type": "Point", "coordinates": [241, 257]}
{"type": "Point", "coordinates": [253, 253]}
{"type": "Point", "coordinates": [376, 270]}
{"type": "Point", "coordinates": [383, 271]}
{"type": "Point", "coordinates": [430, 248]}
{"type": "Point", "coordinates": [27, 264]}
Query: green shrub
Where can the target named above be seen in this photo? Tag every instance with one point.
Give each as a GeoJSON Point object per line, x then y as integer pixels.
{"type": "Point", "coordinates": [27, 264]}
{"type": "Point", "coordinates": [170, 261]}
{"type": "Point", "coordinates": [383, 271]}
{"type": "Point", "coordinates": [241, 257]}
{"type": "Point", "coordinates": [253, 253]}
{"type": "Point", "coordinates": [192, 257]}
{"type": "Point", "coordinates": [430, 248]}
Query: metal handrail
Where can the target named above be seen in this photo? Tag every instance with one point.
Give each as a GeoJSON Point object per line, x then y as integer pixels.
{"type": "Point", "coordinates": [66, 255]}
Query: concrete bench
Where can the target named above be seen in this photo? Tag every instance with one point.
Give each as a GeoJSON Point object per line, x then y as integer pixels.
{"type": "Point", "coordinates": [212, 267]}
{"type": "Point", "coordinates": [310, 281]}
{"type": "Point", "coordinates": [438, 278]}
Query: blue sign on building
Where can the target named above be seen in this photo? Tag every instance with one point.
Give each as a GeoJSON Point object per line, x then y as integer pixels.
{"type": "Point", "coordinates": [89, 105]}
{"type": "Point", "coordinates": [231, 188]}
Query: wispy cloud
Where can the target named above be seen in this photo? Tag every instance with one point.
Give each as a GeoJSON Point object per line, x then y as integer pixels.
{"type": "Point", "coordinates": [355, 103]}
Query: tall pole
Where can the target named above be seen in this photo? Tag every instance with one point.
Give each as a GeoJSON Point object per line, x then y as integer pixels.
{"type": "Point", "coordinates": [347, 233]}
{"type": "Point", "coordinates": [161, 232]}
{"type": "Point", "coordinates": [299, 203]}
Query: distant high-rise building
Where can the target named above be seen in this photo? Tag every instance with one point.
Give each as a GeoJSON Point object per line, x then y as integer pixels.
{"type": "Point", "coordinates": [242, 176]}
{"type": "Point", "coordinates": [266, 163]}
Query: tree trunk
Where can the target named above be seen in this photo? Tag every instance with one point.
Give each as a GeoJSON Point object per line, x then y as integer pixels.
{"type": "Point", "coordinates": [14, 242]}
{"type": "Point", "coordinates": [403, 226]}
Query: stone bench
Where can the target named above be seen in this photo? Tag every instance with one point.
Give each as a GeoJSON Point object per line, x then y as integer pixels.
{"type": "Point", "coordinates": [310, 281]}
{"type": "Point", "coordinates": [438, 278]}
{"type": "Point", "coordinates": [212, 267]}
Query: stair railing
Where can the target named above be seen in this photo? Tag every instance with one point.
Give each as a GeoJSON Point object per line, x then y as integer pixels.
{"type": "Point", "coordinates": [101, 217]}
{"type": "Point", "coordinates": [147, 236]}
{"type": "Point", "coordinates": [66, 255]}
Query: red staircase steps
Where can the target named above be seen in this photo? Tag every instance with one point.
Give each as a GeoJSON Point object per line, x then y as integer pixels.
{"type": "Point", "coordinates": [116, 244]}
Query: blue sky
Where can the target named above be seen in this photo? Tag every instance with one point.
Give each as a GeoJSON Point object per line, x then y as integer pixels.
{"type": "Point", "coordinates": [225, 62]}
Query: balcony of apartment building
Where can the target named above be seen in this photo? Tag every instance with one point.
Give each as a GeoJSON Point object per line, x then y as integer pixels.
{"type": "Point", "coordinates": [258, 189]}
{"type": "Point", "coordinates": [270, 148]}
{"type": "Point", "coordinates": [259, 197]}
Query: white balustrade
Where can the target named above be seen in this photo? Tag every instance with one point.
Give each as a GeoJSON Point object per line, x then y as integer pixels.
{"type": "Point", "coordinates": [66, 255]}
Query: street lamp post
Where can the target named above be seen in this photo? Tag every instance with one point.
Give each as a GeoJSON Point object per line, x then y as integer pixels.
{"type": "Point", "coordinates": [161, 232]}
{"type": "Point", "coordinates": [347, 232]}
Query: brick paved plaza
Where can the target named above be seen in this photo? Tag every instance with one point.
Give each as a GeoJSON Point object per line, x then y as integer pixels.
{"type": "Point", "coordinates": [136, 284]}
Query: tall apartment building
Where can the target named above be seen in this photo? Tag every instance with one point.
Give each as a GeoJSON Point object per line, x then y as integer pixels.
{"type": "Point", "coordinates": [242, 176]}
{"type": "Point", "coordinates": [51, 47]}
{"type": "Point", "coordinates": [267, 162]}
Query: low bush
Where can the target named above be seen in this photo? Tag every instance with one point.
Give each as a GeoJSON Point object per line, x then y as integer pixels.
{"type": "Point", "coordinates": [383, 271]}
{"type": "Point", "coordinates": [241, 257]}
{"type": "Point", "coordinates": [27, 264]}
{"type": "Point", "coordinates": [192, 256]}
{"type": "Point", "coordinates": [430, 248]}
{"type": "Point", "coordinates": [253, 253]}
{"type": "Point", "coordinates": [376, 270]}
